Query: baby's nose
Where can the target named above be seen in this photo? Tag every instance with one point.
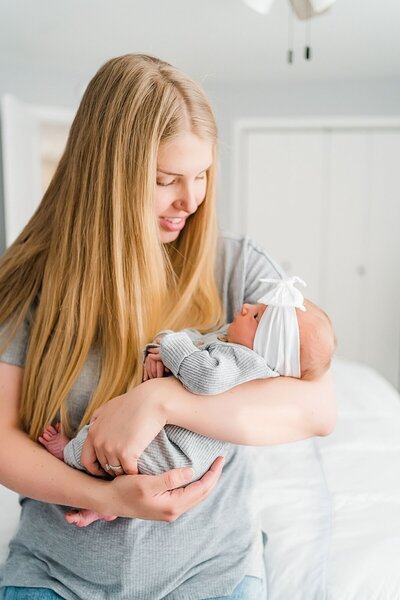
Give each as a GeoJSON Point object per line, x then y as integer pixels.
{"type": "Point", "coordinates": [245, 309]}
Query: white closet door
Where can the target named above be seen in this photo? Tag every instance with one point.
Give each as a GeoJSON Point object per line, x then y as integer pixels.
{"type": "Point", "coordinates": [325, 202]}
{"type": "Point", "coordinates": [348, 216]}
{"type": "Point", "coordinates": [283, 205]}
{"type": "Point", "coordinates": [382, 313]}
{"type": "Point", "coordinates": [363, 284]}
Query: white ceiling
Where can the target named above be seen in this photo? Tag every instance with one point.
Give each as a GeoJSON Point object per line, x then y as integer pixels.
{"type": "Point", "coordinates": [213, 40]}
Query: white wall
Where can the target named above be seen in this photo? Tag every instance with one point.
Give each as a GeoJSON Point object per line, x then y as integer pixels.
{"type": "Point", "coordinates": [379, 98]}
{"type": "Point", "coordinates": [40, 86]}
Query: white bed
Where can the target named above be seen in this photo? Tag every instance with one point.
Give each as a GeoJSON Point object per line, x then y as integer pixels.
{"type": "Point", "coordinates": [330, 506]}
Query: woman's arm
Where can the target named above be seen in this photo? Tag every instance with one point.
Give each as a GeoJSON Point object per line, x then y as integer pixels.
{"type": "Point", "coordinates": [259, 412]}
{"type": "Point", "coordinates": [27, 468]}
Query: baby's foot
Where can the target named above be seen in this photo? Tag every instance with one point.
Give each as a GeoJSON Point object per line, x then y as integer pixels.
{"type": "Point", "coordinates": [84, 516]}
{"type": "Point", "coordinates": [55, 440]}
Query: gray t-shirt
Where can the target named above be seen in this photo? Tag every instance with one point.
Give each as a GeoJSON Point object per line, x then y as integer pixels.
{"type": "Point", "coordinates": [204, 553]}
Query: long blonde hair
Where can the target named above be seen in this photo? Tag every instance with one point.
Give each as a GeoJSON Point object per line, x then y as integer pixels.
{"type": "Point", "coordinates": [90, 258]}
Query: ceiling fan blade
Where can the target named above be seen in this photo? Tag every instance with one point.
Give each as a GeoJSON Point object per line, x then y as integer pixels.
{"type": "Point", "coordinates": [260, 6]}
{"type": "Point", "coordinates": [305, 9]}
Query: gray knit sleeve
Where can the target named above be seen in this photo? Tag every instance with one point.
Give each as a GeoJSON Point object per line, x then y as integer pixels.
{"type": "Point", "coordinates": [213, 369]}
{"type": "Point", "coordinates": [73, 450]}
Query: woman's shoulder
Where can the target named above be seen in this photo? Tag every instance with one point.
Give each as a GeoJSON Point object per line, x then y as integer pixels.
{"type": "Point", "coordinates": [241, 262]}
{"type": "Point", "coordinates": [243, 249]}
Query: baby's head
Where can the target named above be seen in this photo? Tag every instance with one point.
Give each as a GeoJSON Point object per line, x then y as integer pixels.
{"type": "Point", "coordinates": [315, 338]}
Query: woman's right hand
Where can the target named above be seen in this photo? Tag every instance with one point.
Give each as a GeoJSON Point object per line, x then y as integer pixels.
{"type": "Point", "coordinates": [159, 497]}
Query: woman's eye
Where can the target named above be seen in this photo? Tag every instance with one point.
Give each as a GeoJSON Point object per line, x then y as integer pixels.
{"type": "Point", "coordinates": [165, 184]}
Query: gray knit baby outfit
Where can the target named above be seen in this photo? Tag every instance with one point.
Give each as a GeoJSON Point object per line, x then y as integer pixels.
{"type": "Point", "coordinates": [205, 365]}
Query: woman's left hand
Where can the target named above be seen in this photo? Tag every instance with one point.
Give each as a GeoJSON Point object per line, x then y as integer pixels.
{"type": "Point", "coordinates": [122, 429]}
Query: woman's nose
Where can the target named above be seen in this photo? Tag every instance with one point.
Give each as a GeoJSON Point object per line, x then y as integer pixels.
{"type": "Point", "coordinates": [187, 199]}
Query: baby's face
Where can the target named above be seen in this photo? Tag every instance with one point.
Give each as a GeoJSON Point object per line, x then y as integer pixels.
{"type": "Point", "coordinates": [244, 326]}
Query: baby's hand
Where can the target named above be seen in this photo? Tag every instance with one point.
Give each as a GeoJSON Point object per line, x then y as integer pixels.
{"type": "Point", "coordinates": [153, 366]}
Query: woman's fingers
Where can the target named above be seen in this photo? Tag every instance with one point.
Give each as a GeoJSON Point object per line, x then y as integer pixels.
{"type": "Point", "coordinates": [100, 464]}
{"type": "Point", "coordinates": [198, 490]}
{"type": "Point", "coordinates": [89, 459]}
{"type": "Point", "coordinates": [160, 497]}
{"type": "Point", "coordinates": [170, 480]}
{"type": "Point", "coordinates": [114, 468]}
{"type": "Point", "coordinates": [180, 499]}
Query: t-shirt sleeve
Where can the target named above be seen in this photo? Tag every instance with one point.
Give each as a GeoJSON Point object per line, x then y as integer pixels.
{"type": "Point", "coordinates": [15, 352]}
{"type": "Point", "coordinates": [259, 265]}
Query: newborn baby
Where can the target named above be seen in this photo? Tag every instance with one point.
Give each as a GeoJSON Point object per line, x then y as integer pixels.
{"type": "Point", "coordinates": [293, 337]}
{"type": "Point", "coordinates": [280, 335]}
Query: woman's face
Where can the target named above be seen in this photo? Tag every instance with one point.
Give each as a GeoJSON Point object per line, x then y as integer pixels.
{"type": "Point", "coordinates": [181, 182]}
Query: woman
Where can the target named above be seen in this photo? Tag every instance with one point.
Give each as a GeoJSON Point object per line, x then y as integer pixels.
{"type": "Point", "coordinates": [125, 244]}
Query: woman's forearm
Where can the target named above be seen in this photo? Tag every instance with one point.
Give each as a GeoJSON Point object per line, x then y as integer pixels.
{"type": "Point", "coordinates": [35, 473]}
{"type": "Point", "coordinates": [260, 412]}
{"type": "Point", "coordinates": [28, 469]}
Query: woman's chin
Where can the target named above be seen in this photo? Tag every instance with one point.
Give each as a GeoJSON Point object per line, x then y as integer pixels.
{"type": "Point", "coordinates": [168, 236]}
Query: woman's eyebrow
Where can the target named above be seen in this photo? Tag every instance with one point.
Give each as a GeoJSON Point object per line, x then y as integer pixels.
{"type": "Point", "coordinates": [169, 173]}
{"type": "Point", "coordinates": [179, 174]}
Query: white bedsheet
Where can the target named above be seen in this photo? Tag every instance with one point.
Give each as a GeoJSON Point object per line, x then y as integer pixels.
{"type": "Point", "coordinates": [330, 506]}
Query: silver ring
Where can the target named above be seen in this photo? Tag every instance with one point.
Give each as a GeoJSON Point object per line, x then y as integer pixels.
{"type": "Point", "coordinates": [108, 467]}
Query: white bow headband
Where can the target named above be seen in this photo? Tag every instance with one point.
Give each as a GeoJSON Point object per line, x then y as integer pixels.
{"type": "Point", "coordinates": [277, 337]}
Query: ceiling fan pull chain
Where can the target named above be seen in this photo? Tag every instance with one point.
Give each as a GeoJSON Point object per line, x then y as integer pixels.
{"type": "Point", "coordinates": [307, 48]}
{"type": "Point", "coordinates": [290, 52]}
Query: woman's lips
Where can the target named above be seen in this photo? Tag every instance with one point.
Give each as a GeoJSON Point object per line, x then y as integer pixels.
{"type": "Point", "coordinates": [170, 224]}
